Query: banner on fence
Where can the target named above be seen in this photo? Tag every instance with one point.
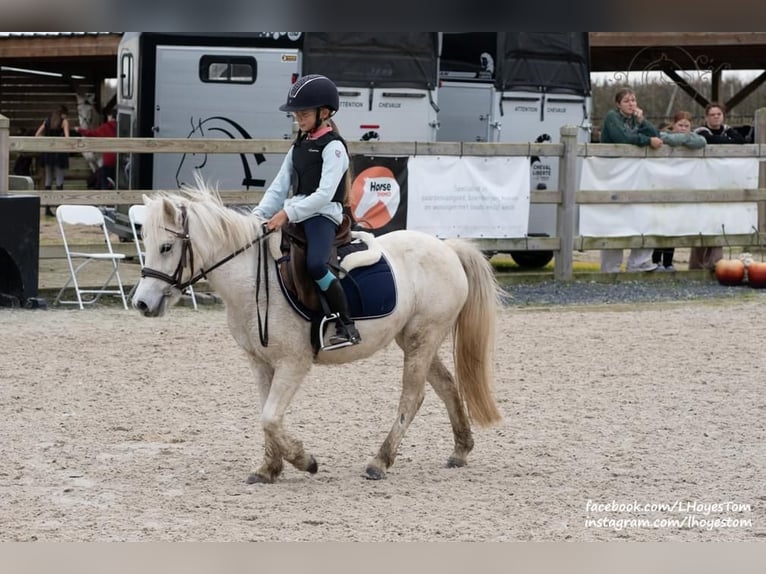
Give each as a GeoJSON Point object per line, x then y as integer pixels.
{"type": "Point", "coordinates": [660, 174]}
{"type": "Point", "coordinates": [469, 196]}
{"type": "Point", "coordinates": [379, 193]}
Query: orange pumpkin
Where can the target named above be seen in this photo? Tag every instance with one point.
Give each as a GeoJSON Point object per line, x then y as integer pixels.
{"type": "Point", "coordinates": [730, 271]}
{"type": "Point", "coordinates": [756, 273]}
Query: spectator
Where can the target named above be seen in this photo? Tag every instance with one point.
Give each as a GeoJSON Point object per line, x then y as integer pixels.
{"type": "Point", "coordinates": [625, 124]}
{"type": "Point", "coordinates": [678, 134]}
{"type": "Point", "coordinates": [55, 164]}
{"type": "Point", "coordinates": [105, 175]}
{"type": "Point", "coordinates": [715, 131]}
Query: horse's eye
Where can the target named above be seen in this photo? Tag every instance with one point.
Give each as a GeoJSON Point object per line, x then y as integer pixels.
{"type": "Point", "coordinates": [166, 247]}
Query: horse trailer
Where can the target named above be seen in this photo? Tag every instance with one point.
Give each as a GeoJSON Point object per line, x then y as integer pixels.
{"type": "Point", "coordinates": [183, 85]}
{"type": "Point", "coordinates": [517, 87]}
{"type": "Point", "coordinates": [231, 85]}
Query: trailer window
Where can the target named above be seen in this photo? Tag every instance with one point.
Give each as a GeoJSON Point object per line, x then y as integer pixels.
{"type": "Point", "coordinates": [126, 76]}
{"type": "Point", "coordinates": [228, 69]}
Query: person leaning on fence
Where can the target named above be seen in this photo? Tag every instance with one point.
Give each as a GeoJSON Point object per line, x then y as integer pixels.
{"type": "Point", "coordinates": [677, 134]}
{"type": "Point", "coordinates": [107, 170]}
{"type": "Point", "coordinates": [56, 164]}
{"type": "Point", "coordinates": [317, 162]}
{"type": "Point", "coordinates": [625, 124]}
{"type": "Point", "coordinates": [715, 131]}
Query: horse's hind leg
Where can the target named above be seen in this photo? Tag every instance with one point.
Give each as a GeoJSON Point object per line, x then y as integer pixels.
{"type": "Point", "coordinates": [444, 384]}
{"type": "Point", "coordinates": [277, 388]}
{"type": "Point", "coordinates": [413, 391]}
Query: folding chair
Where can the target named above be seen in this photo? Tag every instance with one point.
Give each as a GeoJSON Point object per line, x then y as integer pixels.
{"type": "Point", "coordinates": [137, 216]}
{"type": "Point", "coordinates": [69, 215]}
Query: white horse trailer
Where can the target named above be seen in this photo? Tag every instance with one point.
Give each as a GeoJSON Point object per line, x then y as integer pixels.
{"type": "Point", "coordinates": [184, 85]}
{"type": "Point", "coordinates": [191, 86]}
{"type": "Point", "coordinates": [517, 87]}
{"type": "Point", "coordinates": [387, 82]}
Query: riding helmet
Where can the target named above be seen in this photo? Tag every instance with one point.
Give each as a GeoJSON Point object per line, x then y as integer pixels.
{"type": "Point", "coordinates": [312, 91]}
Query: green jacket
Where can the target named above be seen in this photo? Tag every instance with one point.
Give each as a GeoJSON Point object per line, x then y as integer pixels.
{"type": "Point", "coordinates": [619, 129]}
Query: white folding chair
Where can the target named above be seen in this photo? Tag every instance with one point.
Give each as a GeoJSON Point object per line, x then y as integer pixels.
{"type": "Point", "coordinates": [90, 215]}
{"type": "Point", "coordinates": [137, 216]}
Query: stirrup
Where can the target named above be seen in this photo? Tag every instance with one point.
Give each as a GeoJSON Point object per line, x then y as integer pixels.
{"type": "Point", "coordinates": [351, 339]}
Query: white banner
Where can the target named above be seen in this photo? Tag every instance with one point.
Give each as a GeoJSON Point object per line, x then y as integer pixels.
{"type": "Point", "coordinates": [468, 196]}
{"type": "Point", "coordinates": [601, 173]}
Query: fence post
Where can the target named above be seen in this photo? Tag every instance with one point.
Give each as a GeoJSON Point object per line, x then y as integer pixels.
{"type": "Point", "coordinates": [5, 153]}
{"type": "Point", "coordinates": [760, 138]}
{"type": "Point", "coordinates": [565, 213]}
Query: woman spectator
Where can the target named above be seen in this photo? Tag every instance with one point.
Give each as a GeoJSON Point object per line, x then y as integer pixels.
{"type": "Point", "coordinates": [715, 131]}
{"type": "Point", "coordinates": [625, 124]}
{"type": "Point", "coordinates": [56, 164]}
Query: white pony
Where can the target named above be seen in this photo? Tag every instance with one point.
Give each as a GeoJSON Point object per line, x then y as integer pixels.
{"type": "Point", "coordinates": [88, 118]}
{"type": "Point", "coordinates": [442, 287]}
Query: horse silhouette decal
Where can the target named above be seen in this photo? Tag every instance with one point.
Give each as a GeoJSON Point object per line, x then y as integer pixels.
{"type": "Point", "coordinates": [221, 125]}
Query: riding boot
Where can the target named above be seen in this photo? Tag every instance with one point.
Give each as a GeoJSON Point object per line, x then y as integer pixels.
{"type": "Point", "coordinates": [48, 210]}
{"type": "Point", "coordinates": [345, 330]}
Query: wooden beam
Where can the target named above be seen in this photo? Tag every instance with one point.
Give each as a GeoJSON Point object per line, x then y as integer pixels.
{"type": "Point", "coordinates": [746, 91]}
{"type": "Point", "coordinates": [643, 39]}
{"type": "Point", "coordinates": [681, 83]}
{"type": "Point", "coordinates": [63, 47]}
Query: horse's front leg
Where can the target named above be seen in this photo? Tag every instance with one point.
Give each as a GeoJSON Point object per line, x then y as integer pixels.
{"type": "Point", "coordinates": [413, 392]}
{"type": "Point", "coordinates": [277, 387]}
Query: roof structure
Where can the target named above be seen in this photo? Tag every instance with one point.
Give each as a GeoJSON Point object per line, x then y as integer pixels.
{"type": "Point", "coordinates": [94, 54]}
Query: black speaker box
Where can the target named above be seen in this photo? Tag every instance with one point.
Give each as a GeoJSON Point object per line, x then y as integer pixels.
{"type": "Point", "coordinates": [19, 247]}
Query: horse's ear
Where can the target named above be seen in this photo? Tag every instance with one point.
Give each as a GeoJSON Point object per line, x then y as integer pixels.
{"type": "Point", "coordinates": [169, 209]}
{"type": "Point", "coordinates": [146, 199]}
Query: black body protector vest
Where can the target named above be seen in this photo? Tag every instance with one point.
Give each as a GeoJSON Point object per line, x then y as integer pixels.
{"type": "Point", "coordinates": [307, 166]}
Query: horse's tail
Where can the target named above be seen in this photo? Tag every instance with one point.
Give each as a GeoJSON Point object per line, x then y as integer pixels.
{"type": "Point", "coordinates": [474, 335]}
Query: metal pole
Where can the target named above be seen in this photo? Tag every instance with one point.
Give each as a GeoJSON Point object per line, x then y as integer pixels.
{"type": "Point", "coordinates": [5, 153]}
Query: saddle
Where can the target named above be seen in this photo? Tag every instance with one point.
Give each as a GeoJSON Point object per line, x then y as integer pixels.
{"type": "Point", "coordinates": [292, 263]}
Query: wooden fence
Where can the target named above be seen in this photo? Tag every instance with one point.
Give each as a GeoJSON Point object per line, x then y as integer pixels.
{"type": "Point", "coordinates": [567, 197]}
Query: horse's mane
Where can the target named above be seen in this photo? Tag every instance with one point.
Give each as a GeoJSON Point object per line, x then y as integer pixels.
{"type": "Point", "coordinates": [212, 225]}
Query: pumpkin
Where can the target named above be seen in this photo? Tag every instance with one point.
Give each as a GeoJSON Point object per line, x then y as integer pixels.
{"type": "Point", "coordinates": [756, 273]}
{"type": "Point", "coordinates": [730, 271]}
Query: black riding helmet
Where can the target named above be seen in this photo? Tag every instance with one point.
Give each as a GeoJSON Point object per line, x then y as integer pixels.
{"type": "Point", "coordinates": [312, 91]}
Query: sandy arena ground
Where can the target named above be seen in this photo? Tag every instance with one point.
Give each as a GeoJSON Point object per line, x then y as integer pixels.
{"type": "Point", "coordinates": [116, 428]}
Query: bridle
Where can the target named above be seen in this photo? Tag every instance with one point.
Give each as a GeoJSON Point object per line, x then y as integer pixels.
{"type": "Point", "coordinates": [187, 260]}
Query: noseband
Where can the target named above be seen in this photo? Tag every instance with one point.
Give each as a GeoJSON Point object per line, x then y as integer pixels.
{"type": "Point", "coordinates": [187, 258]}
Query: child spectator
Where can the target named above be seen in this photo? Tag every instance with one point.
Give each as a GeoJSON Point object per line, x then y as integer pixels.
{"type": "Point", "coordinates": [678, 134]}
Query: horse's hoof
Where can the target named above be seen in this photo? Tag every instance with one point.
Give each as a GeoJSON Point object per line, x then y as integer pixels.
{"type": "Point", "coordinates": [256, 478]}
{"type": "Point", "coordinates": [374, 473]}
{"type": "Point", "coordinates": [313, 466]}
{"type": "Point", "coordinates": [454, 462]}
